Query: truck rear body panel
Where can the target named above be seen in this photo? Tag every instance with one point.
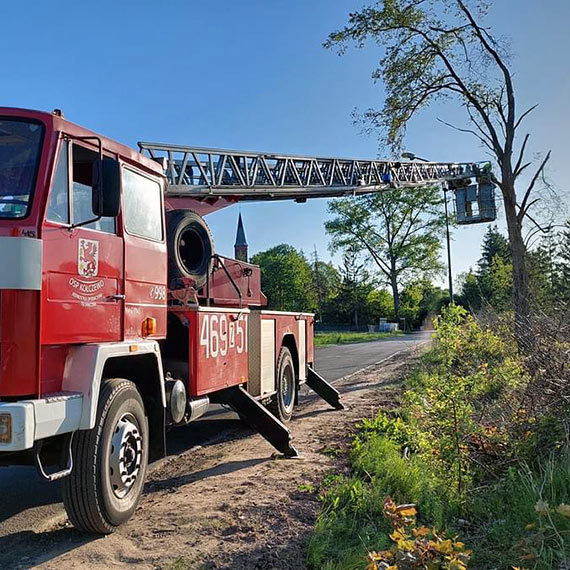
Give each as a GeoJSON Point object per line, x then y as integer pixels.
{"type": "Point", "coordinates": [230, 347]}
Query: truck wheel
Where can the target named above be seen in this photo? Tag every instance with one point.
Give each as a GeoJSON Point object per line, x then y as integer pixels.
{"type": "Point", "coordinates": [110, 461]}
{"type": "Point", "coordinates": [283, 402]}
{"type": "Point", "coordinates": [190, 246]}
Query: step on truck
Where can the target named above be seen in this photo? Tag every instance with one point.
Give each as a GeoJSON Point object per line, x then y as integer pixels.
{"type": "Point", "coordinates": [118, 320]}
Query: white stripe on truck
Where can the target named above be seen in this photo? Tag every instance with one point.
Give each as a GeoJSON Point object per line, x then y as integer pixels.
{"type": "Point", "coordinates": [20, 263]}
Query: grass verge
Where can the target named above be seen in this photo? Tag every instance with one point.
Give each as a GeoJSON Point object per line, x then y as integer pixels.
{"type": "Point", "coordinates": [463, 457]}
{"type": "Point", "coordinates": [322, 339]}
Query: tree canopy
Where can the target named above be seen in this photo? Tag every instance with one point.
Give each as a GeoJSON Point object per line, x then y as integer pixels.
{"type": "Point", "coordinates": [434, 49]}
{"type": "Point", "coordinates": [286, 279]}
{"type": "Point", "coordinates": [398, 230]}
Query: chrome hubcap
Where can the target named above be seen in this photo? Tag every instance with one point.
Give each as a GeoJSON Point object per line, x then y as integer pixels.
{"type": "Point", "coordinates": [287, 386]}
{"type": "Point", "coordinates": [126, 455]}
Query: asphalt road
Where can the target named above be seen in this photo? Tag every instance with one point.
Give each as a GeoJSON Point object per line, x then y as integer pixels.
{"type": "Point", "coordinates": [336, 361]}
{"type": "Point", "coordinates": [27, 500]}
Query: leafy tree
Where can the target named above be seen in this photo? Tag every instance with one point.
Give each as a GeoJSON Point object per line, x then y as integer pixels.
{"type": "Point", "coordinates": [470, 291]}
{"type": "Point", "coordinates": [491, 283]}
{"type": "Point", "coordinates": [412, 296]}
{"type": "Point", "coordinates": [286, 278]}
{"type": "Point", "coordinates": [421, 299]}
{"type": "Point", "coordinates": [437, 49]}
{"type": "Point", "coordinates": [433, 299]}
{"type": "Point", "coordinates": [498, 281]}
{"type": "Point", "coordinates": [494, 243]}
{"type": "Point", "coordinates": [380, 305]}
{"type": "Point", "coordinates": [563, 264]}
{"type": "Point", "coordinates": [543, 281]}
{"type": "Point", "coordinates": [326, 283]}
{"type": "Point", "coordinates": [350, 306]}
{"type": "Point", "coordinates": [495, 270]}
{"type": "Point", "coordinates": [399, 230]}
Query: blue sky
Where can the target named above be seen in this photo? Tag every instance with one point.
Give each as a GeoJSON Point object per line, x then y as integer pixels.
{"type": "Point", "coordinates": [254, 75]}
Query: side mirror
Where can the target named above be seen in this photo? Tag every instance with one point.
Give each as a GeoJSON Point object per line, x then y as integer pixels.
{"type": "Point", "coordinates": [106, 198]}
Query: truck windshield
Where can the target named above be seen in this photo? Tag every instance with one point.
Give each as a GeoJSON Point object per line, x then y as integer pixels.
{"type": "Point", "coordinates": [20, 149]}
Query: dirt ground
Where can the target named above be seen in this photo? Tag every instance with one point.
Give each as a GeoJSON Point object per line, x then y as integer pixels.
{"type": "Point", "coordinates": [228, 505]}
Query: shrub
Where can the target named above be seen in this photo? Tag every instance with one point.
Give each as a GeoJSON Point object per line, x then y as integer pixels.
{"type": "Point", "coordinates": [474, 446]}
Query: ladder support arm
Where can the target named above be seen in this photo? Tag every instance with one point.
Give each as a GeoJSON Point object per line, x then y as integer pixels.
{"type": "Point", "coordinates": [259, 418]}
{"type": "Point", "coordinates": [324, 389]}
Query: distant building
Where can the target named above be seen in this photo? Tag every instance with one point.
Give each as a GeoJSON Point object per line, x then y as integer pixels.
{"type": "Point", "coordinates": [240, 246]}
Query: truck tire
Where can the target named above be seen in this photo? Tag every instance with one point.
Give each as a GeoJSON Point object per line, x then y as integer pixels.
{"type": "Point", "coordinates": [190, 246]}
{"type": "Point", "coordinates": [283, 402]}
{"type": "Point", "coordinates": [110, 461]}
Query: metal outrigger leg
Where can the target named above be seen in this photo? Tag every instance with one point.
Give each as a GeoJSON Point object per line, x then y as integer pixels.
{"type": "Point", "coordinates": [323, 388]}
{"type": "Point", "coordinates": [259, 418]}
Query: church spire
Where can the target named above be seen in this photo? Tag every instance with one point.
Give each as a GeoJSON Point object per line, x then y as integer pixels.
{"type": "Point", "coordinates": [240, 246]}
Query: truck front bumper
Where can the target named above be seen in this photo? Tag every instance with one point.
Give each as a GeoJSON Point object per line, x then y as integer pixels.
{"type": "Point", "coordinates": [22, 423]}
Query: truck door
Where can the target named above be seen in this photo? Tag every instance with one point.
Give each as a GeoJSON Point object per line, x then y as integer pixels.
{"type": "Point", "coordinates": [145, 254]}
{"type": "Point", "coordinates": [82, 266]}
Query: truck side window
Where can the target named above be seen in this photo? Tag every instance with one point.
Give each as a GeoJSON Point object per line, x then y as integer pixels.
{"type": "Point", "coordinates": [82, 189]}
{"type": "Point", "coordinates": [58, 206]}
{"type": "Point", "coordinates": [143, 205]}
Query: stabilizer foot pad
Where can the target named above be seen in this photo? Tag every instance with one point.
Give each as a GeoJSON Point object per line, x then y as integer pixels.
{"type": "Point", "coordinates": [280, 456]}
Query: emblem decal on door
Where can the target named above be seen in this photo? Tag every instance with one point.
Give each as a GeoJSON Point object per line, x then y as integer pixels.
{"type": "Point", "coordinates": [88, 258]}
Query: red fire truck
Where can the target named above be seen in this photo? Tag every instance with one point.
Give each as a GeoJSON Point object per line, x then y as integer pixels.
{"type": "Point", "coordinates": [117, 317]}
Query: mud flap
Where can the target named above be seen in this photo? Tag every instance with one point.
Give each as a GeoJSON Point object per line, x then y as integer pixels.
{"type": "Point", "coordinates": [319, 385]}
{"type": "Point", "coordinates": [259, 418]}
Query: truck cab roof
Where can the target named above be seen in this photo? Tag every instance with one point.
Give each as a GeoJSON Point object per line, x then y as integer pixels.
{"type": "Point", "coordinates": [55, 122]}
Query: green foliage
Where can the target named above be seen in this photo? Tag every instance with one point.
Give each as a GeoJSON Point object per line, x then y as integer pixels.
{"type": "Point", "coordinates": [349, 305]}
{"type": "Point", "coordinates": [491, 284]}
{"type": "Point", "coordinates": [495, 244]}
{"type": "Point", "coordinates": [399, 232]}
{"type": "Point", "coordinates": [563, 265]}
{"type": "Point", "coordinates": [339, 297]}
{"type": "Point", "coordinates": [351, 522]}
{"type": "Point", "coordinates": [326, 284]}
{"type": "Point", "coordinates": [380, 305]}
{"type": "Point", "coordinates": [322, 339]}
{"type": "Point", "coordinates": [286, 279]}
{"type": "Point", "coordinates": [407, 478]}
{"type": "Point", "coordinates": [456, 451]}
{"type": "Point", "coordinates": [410, 302]}
{"type": "Point", "coordinates": [524, 518]}
{"type": "Point", "coordinates": [349, 525]}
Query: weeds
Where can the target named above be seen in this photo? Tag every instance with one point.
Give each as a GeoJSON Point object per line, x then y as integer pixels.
{"type": "Point", "coordinates": [468, 449]}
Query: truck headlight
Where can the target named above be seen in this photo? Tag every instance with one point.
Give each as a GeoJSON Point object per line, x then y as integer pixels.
{"type": "Point", "coordinates": [5, 428]}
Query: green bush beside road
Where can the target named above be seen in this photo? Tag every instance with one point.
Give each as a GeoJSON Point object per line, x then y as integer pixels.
{"type": "Point", "coordinates": [480, 470]}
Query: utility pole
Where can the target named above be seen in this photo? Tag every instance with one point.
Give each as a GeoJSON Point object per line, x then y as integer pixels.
{"type": "Point", "coordinates": [318, 282]}
{"type": "Point", "coordinates": [412, 156]}
{"type": "Point", "coordinates": [445, 189]}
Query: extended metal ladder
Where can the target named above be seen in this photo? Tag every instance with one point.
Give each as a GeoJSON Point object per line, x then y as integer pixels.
{"type": "Point", "coordinates": [208, 173]}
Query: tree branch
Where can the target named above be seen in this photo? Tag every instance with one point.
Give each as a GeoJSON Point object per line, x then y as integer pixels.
{"type": "Point", "coordinates": [524, 115]}
{"type": "Point", "coordinates": [523, 210]}
{"type": "Point", "coordinates": [506, 73]}
{"type": "Point", "coordinates": [518, 168]}
{"type": "Point", "coordinates": [470, 131]}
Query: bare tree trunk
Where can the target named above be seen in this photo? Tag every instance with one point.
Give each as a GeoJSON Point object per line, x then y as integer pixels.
{"type": "Point", "coordinates": [518, 252]}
